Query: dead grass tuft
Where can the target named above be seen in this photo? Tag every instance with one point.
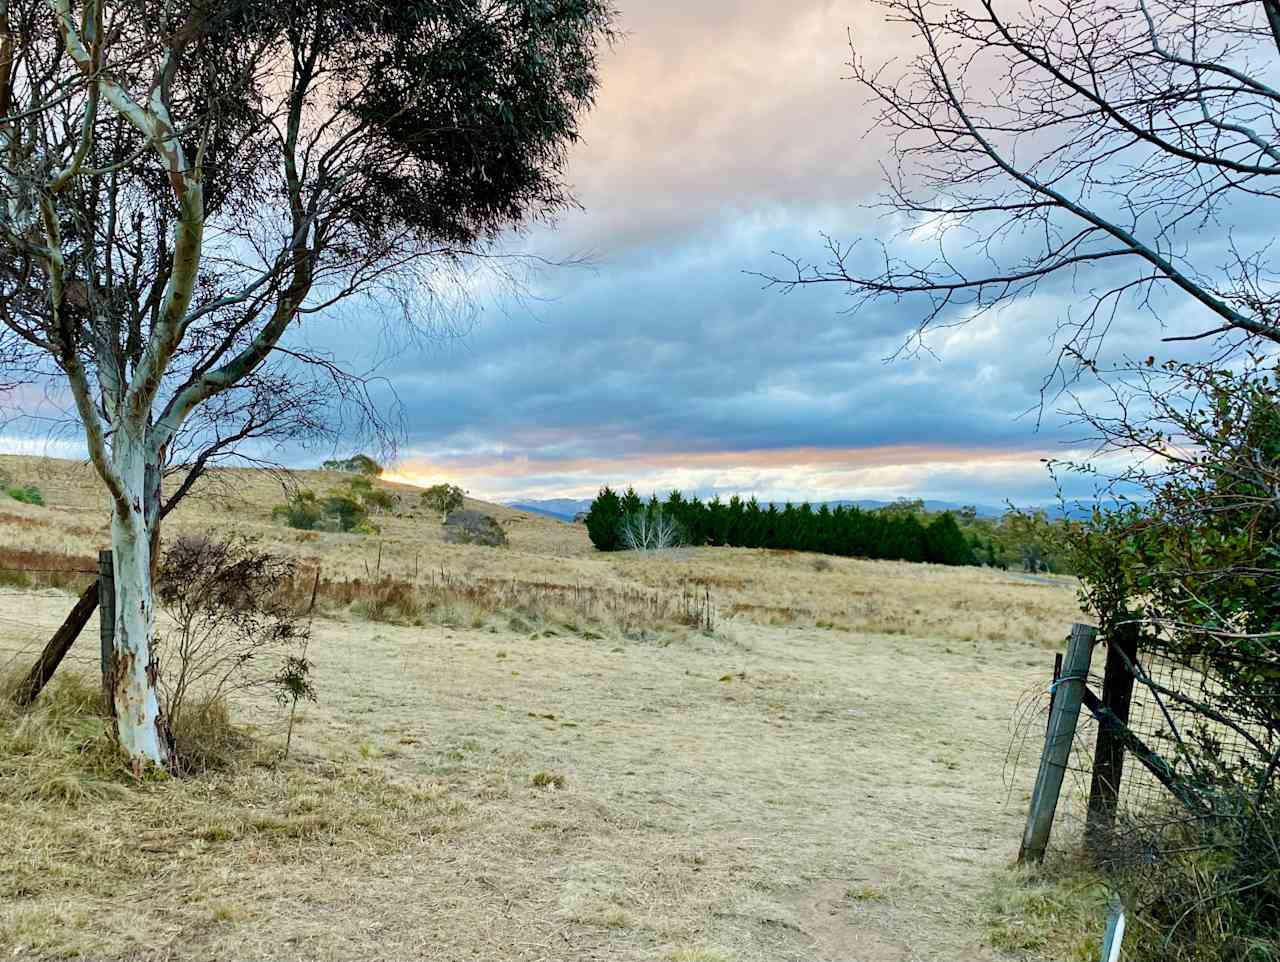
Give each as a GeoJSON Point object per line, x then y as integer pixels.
{"type": "Point", "coordinates": [59, 750]}
{"type": "Point", "coordinates": [206, 738]}
{"type": "Point", "coordinates": [548, 780]}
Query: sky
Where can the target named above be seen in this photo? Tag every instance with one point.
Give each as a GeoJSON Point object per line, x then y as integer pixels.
{"type": "Point", "coordinates": [724, 132]}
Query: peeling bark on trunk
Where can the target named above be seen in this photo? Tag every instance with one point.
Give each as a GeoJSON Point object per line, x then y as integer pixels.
{"type": "Point", "coordinates": [141, 726]}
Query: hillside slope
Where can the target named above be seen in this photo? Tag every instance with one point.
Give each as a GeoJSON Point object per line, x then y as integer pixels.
{"type": "Point", "coordinates": [543, 757]}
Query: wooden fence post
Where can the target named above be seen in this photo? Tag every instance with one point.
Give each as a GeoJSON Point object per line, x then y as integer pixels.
{"type": "Point", "coordinates": [1108, 756]}
{"type": "Point", "coordinates": [1053, 689]}
{"type": "Point", "coordinates": [1068, 694]}
{"type": "Point", "coordinates": [107, 628]}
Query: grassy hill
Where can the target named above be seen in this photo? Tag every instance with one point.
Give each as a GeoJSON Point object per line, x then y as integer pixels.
{"type": "Point", "coordinates": [540, 752]}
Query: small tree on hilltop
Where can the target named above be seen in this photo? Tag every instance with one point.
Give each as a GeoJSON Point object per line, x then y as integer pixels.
{"type": "Point", "coordinates": [356, 464]}
{"type": "Point", "coordinates": [444, 498]}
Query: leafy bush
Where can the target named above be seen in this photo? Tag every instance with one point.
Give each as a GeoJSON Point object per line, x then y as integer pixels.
{"type": "Point", "coordinates": [336, 512]}
{"type": "Point", "coordinates": [303, 511]}
{"type": "Point", "coordinates": [347, 513]}
{"type": "Point", "coordinates": [472, 527]}
{"type": "Point", "coordinates": [1190, 562]}
{"type": "Point", "coordinates": [376, 500]}
{"type": "Point", "coordinates": [27, 495]}
{"type": "Point", "coordinates": [444, 498]}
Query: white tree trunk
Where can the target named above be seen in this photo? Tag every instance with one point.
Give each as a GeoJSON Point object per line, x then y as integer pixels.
{"type": "Point", "coordinates": [141, 726]}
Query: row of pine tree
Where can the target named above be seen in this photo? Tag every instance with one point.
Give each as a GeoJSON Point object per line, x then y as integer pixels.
{"type": "Point", "coordinates": [850, 531]}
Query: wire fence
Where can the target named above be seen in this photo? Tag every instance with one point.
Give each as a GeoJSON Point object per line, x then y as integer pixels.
{"type": "Point", "coordinates": [1208, 751]}
{"type": "Point", "coordinates": [1171, 716]}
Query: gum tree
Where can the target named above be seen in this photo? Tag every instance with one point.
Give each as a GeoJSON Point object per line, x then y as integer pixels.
{"type": "Point", "coordinates": [184, 181]}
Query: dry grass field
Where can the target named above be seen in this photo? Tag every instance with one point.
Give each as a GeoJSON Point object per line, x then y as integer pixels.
{"type": "Point", "coordinates": [541, 761]}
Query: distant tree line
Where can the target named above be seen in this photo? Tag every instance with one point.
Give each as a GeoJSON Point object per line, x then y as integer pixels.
{"type": "Point", "coordinates": [902, 531]}
{"type": "Point", "coordinates": [894, 536]}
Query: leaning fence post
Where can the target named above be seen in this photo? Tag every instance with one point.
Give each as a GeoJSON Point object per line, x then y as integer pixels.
{"type": "Point", "coordinates": [1068, 694]}
{"type": "Point", "coordinates": [107, 628]}
{"type": "Point", "coordinates": [1108, 757]}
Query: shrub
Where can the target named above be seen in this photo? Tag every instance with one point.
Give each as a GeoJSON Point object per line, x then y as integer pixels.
{"type": "Point", "coordinates": [336, 512]}
{"type": "Point", "coordinates": [375, 499]}
{"type": "Point", "coordinates": [390, 601]}
{"type": "Point", "coordinates": [348, 513]}
{"type": "Point", "coordinates": [231, 628]}
{"type": "Point", "coordinates": [27, 495]}
{"type": "Point", "coordinates": [472, 527]}
{"type": "Point", "coordinates": [1189, 561]}
{"type": "Point", "coordinates": [444, 498]}
{"type": "Point", "coordinates": [303, 511]}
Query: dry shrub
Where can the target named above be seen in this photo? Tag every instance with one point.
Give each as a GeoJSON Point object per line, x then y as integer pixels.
{"type": "Point", "coordinates": [390, 601]}
{"type": "Point", "coordinates": [474, 527]}
{"type": "Point", "coordinates": [232, 630]}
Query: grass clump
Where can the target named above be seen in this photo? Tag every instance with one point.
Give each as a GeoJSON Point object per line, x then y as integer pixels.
{"type": "Point", "coordinates": [390, 601]}
{"type": "Point", "coordinates": [207, 739]}
{"type": "Point", "coordinates": [548, 780]}
{"type": "Point", "coordinates": [27, 494]}
{"type": "Point", "coordinates": [60, 750]}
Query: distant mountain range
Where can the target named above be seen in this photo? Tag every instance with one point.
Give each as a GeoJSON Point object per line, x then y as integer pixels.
{"type": "Point", "coordinates": [565, 509]}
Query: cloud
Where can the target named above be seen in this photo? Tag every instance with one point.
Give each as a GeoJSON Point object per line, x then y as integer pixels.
{"type": "Point", "coordinates": [723, 131]}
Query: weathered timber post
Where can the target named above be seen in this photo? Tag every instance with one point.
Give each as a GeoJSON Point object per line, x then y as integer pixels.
{"type": "Point", "coordinates": [1108, 756]}
{"type": "Point", "coordinates": [107, 629]}
{"type": "Point", "coordinates": [1053, 689]}
{"type": "Point", "coordinates": [57, 648]}
{"type": "Point", "coordinates": [1068, 694]}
